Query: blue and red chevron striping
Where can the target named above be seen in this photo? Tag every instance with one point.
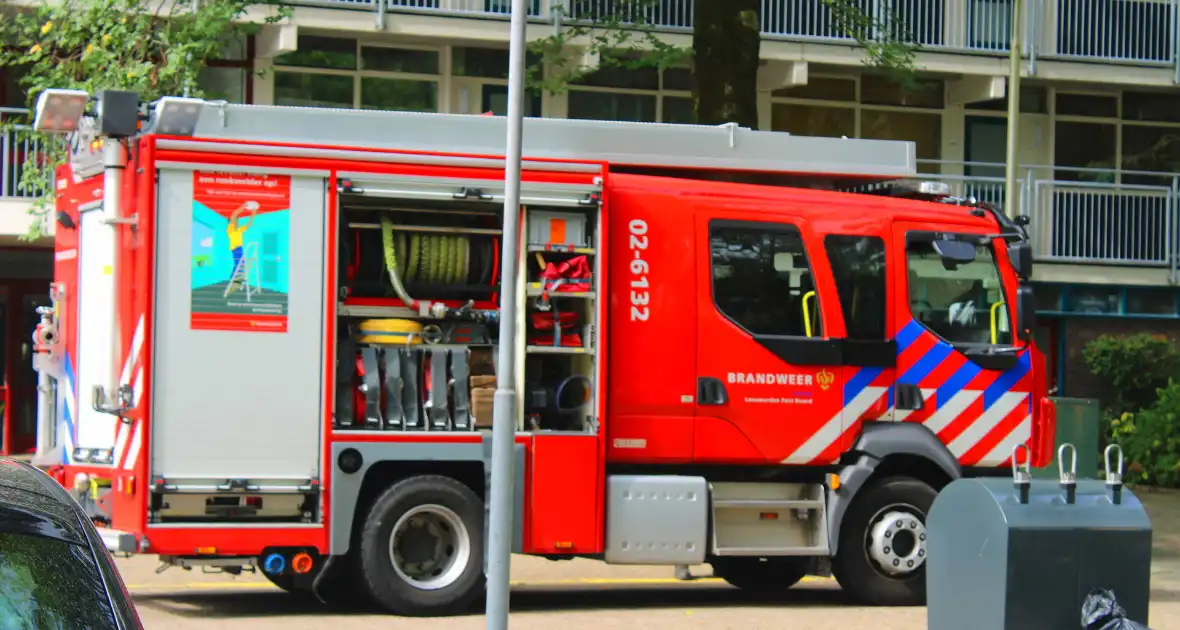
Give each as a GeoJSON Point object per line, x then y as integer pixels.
{"type": "Point", "coordinates": [980, 414]}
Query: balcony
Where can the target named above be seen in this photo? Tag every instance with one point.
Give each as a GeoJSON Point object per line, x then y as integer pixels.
{"type": "Point", "coordinates": [1086, 216]}
{"type": "Point", "coordinates": [1141, 32]}
{"type": "Point", "coordinates": [16, 145]}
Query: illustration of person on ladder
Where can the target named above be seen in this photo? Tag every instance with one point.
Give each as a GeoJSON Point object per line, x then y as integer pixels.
{"type": "Point", "coordinates": [236, 230]}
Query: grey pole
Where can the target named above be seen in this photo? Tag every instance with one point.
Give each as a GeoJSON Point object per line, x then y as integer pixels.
{"type": "Point", "coordinates": [1011, 199]}
{"type": "Point", "coordinates": [504, 408]}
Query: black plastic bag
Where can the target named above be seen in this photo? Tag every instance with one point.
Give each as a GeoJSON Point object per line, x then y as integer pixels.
{"type": "Point", "coordinates": [1100, 611]}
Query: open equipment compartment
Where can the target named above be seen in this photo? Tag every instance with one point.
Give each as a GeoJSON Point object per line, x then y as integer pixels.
{"type": "Point", "coordinates": [560, 318]}
{"type": "Point", "coordinates": [418, 315]}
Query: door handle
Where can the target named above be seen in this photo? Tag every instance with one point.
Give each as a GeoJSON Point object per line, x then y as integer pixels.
{"type": "Point", "coordinates": [908, 397]}
{"type": "Point", "coordinates": [711, 391]}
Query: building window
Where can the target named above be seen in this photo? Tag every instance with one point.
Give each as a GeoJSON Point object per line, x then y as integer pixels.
{"type": "Point", "coordinates": [1151, 301]}
{"type": "Point", "coordinates": [858, 265]}
{"type": "Point", "coordinates": [868, 106]}
{"type": "Point", "coordinates": [229, 76]}
{"type": "Point", "coordinates": [955, 300]}
{"type": "Point", "coordinates": [1138, 134]}
{"type": "Point", "coordinates": [762, 280]}
{"type": "Point", "coordinates": [339, 72]}
{"type": "Point", "coordinates": [615, 92]}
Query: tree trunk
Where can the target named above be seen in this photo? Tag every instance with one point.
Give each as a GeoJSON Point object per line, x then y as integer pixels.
{"type": "Point", "coordinates": [726, 41]}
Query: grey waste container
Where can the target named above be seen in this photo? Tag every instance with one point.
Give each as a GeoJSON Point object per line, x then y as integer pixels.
{"type": "Point", "coordinates": [1022, 553]}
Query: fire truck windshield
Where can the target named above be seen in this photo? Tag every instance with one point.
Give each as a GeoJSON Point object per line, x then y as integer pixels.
{"type": "Point", "coordinates": [962, 302]}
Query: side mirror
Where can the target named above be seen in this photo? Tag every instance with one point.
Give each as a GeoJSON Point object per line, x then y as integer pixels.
{"type": "Point", "coordinates": [1020, 253]}
{"type": "Point", "coordinates": [960, 252]}
{"type": "Point", "coordinates": [1026, 312]}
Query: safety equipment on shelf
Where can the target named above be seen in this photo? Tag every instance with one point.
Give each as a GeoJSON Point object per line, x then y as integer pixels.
{"type": "Point", "coordinates": [554, 319]}
{"type": "Point", "coordinates": [571, 275]}
{"type": "Point", "coordinates": [568, 275]}
{"type": "Point", "coordinates": [390, 331]}
{"type": "Point", "coordinates": [559, 402]}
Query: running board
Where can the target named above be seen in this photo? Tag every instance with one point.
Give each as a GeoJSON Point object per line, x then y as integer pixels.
{"type": "Point", "coordinates": [769, 519]}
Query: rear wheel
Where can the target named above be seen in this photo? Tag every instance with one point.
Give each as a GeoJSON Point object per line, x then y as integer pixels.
{"type": "Point", "coordinates": [422, 547]}
{"type": "Point", "coordinates": [882, 553]}
{"type": "Point", "coordinates": [763, 575]}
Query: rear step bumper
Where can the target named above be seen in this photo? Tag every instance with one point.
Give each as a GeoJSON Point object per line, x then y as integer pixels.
{"type": "Point", "coordinates": [117, 541]}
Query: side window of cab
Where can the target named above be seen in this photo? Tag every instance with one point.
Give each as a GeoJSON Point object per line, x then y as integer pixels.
{"type": "Point", "coordinates": [762, 279]}
{"type": "Point", "coordinates": [955, 289]}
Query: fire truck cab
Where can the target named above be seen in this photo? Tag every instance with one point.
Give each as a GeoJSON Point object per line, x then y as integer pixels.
{"type": "Point", "coordinates": [274, 330]}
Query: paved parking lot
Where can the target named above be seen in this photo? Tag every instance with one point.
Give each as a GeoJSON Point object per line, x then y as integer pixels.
{"type": "Point", "coordinates": [583, 594]}
{"type": "Point", "coordinates": [548, 595]}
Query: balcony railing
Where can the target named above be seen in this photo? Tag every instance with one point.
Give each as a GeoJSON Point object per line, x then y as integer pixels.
{"type": "Point", "coordinates": [16, 145]}
{"type": "Point", "coordinates": [1085, 215]}
{"type": "Point", "coordinates": [1131, 31]}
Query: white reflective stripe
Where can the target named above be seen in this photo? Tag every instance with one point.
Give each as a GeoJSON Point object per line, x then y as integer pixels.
{"type": "Point", "coordinates": [122, 433]}
{"type": "Point", "coordinates": [1003, 450]}
{"type": "Point", "coordinates": [951, 409]}
{"type": "Point", "coordinates": [834, 428]}
{"type": "Point", "coordinates": [132, 353]}
{"type": "Point", "coordinates": [986, 422]}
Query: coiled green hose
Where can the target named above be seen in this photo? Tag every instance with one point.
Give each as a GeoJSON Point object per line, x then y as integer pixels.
{"type": "Point", "coordinates": [425, 258]}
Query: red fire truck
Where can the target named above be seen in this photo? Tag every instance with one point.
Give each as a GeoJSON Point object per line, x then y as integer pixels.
{"type": "Point", "coordinates": [274, 328]}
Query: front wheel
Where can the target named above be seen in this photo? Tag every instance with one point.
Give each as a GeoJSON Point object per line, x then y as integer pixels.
{"type": "Point", "coordinates": [882, 556]}
{"type": "Point", "coordinates": [422, 547]}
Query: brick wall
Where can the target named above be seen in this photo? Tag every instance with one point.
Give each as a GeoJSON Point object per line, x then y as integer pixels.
{"type": "Point", "coordinates": [1079, 331]}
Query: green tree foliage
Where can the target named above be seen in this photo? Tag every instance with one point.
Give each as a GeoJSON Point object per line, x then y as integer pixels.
{"type": "Point", "coordinates": [156, 49]}
{"type": "Point", "coordinates": [1132, 368]}
{"type": "Point", "coordinates": [725, 54]}
{"type": "Point", "coordinates": [1150, 443]}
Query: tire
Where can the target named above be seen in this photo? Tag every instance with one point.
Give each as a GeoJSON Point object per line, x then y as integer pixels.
{"type": "Point", "coordinates": [434, 567]}
{"type": "Point", "coordinates": [869, 543]}
{"type": "Point", "coordinates": [761, 575]}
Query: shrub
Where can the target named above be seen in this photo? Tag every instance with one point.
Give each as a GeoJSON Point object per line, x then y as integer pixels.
{"type": "Point", "coordinates": [1132, 368]}
{"type": "Point", "coordinates": [1151, 447]}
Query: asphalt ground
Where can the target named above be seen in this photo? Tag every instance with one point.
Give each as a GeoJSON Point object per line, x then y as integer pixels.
{"type": "Point", "coordinates": [585, 595]}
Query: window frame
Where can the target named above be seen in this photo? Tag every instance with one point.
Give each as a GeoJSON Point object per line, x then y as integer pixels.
{"type": "Point", "coordinates": [788, 226]}
{"type": "Point", "coordinates": [927, 236]}
{"type": "Point", "coordinates": [441, 79]}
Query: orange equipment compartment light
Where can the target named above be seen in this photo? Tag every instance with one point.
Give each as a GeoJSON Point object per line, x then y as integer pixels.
{"type": "Point", "coordinates": [301, 563]}
{"type": "Point", "coordinates": [206, 551]}
{"type": "Point", "coordinates": [564, 544]}
{"type": "Point", "coordinates": [834, 481]}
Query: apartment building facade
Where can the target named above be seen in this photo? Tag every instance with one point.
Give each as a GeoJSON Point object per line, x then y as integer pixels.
{"type": "Point", "coordinates": [1099, 146]}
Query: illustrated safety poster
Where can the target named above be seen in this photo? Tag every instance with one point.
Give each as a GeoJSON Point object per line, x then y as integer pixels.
{"type": "Point", "coordinates": [240, 242]}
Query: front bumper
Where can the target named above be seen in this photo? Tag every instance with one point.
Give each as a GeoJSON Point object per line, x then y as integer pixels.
{"type": "Point", "coordinates": [117, 541]}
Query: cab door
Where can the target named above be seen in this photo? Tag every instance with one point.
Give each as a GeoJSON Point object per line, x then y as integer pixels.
{"type": "Point", "coordinates": [960, 373]}
{"type": "Point", "coordinates": [769, 389]}
{"type": "Point", "coordinates": [860, 269]}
